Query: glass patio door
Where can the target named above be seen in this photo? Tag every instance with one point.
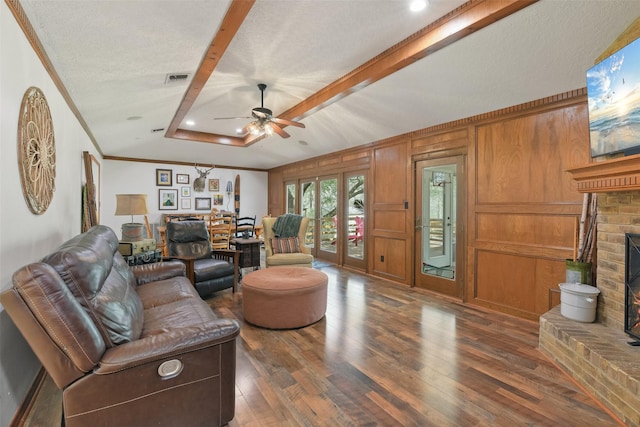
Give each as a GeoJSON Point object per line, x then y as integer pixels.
{"type": "Point", "coordinates": [308, 209]}
{"type": "Point", "coordinates": [319, 200]}
{"type": "Point", "coordinates": [354, 221]}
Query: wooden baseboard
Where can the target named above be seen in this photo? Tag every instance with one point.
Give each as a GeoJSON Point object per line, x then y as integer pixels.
{"type": "Point", "coordinates": [27, 404]}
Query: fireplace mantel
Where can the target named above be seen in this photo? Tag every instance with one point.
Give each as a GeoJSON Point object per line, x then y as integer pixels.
{"type": "Point", "coordinates": [619, 174]}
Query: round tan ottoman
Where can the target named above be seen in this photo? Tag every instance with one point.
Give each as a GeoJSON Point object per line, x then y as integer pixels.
{"type": "Point", "coordinates": [284, 297]}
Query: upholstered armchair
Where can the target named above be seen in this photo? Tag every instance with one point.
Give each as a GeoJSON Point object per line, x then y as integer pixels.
{"type": "Point", "coordinates": [209, 270]}
{"type": "Point", "coordinates": [287, 250]}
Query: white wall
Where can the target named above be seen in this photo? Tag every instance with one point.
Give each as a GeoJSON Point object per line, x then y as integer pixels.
{"type": "Point", "coordinates": [123, 177]}
{"type": "Point", "coordinates": [25, 237]}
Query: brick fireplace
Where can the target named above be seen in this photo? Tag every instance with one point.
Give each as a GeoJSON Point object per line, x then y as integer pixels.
{"type": "Point", "coordinates": [596, 354]}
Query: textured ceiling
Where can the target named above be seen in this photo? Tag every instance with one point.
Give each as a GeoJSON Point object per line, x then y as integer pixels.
{"type": "Point", "coordinates": [114, 56]}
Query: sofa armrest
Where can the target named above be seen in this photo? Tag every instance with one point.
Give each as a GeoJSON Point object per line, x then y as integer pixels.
{"type": "Point", "coordinates": [154, 272]}
{"type": "Point", "coordinates": [171, 343]}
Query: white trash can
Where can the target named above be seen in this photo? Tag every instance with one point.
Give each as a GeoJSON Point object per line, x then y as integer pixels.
{"type": "Point", "coordinates": [578, 301]}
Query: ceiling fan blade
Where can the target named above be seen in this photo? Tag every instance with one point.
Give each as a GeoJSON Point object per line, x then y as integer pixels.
{"type": "Point", "coordinates": [287, 122]}
{"type": "Point", "coordinates": [230, 118]}
{"type": "Point", "coordinates": [277, 129]}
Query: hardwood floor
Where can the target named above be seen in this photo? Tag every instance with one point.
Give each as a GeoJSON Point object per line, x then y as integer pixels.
{"type": "Point", "coordinates": [385, 355]}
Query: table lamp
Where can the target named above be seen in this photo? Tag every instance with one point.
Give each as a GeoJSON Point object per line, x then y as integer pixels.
{"type": "Point", "coordinates": [132, 204]}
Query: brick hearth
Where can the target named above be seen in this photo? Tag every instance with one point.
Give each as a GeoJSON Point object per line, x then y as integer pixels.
{"type": "Point", "coordinates": [596, 354]}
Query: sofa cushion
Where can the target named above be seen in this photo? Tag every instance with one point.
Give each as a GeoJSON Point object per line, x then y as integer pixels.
{"type": "Point", "coordinates": [285, 245]}
{"type": "Point", "coordinates": [102, 282]}
{"type": "Point", "coordinates": [166, 291]}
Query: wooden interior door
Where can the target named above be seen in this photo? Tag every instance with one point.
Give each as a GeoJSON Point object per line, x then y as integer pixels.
{"type": "Point", "coordinates": [438, 191]}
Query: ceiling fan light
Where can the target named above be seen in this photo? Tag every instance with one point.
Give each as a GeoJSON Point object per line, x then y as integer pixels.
{"type": "Point", "coordinates": [254, 129]}
{"type": "Point", "coordinates": [268, 129]}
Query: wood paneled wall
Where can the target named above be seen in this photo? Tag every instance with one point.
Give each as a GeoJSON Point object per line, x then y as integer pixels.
{"type": "Point", "coordinates": [520, 205]}
{"type": "Point", "coordinates": [524, 205]}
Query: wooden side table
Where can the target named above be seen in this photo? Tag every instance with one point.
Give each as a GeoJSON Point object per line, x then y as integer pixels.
{"type": "Point", "coordinates": [249, 251]}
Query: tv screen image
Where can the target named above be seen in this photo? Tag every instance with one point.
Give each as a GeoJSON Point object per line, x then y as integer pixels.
{"type": "Point", "coordinates": [613, 90]}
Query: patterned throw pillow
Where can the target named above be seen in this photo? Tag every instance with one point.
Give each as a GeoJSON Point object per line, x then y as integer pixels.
{"type": "Point", "coordinates": [285, 245]}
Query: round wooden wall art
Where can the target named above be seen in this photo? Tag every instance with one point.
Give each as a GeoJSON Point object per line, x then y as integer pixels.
{"type": "Point", "coordinates": [36, 151]}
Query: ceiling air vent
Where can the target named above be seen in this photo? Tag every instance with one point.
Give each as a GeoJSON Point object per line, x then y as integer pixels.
{"type": "Point", "coordinates": [176, 78]}
{"type": "Point", "coordinates": [157, 130]}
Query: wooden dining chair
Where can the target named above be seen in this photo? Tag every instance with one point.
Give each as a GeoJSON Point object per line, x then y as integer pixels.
{"type": "Point", "coordinates": [220, 231]}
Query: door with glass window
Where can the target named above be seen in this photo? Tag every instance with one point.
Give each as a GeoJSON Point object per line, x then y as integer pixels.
{"type": "Point", "coordinates": [319, 202]}
{"type": "Point", "coordinates": [353, 225]}
{"type": "Point", "coordinates": [290, 197]}
{"type": "Point", "coordinates": [438, 189]}
{"type": "Point", "coordinates": [308, 208]}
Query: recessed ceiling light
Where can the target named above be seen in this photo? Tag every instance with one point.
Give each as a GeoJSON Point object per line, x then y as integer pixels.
{"type": "Point", "coordinates": [418, 5]}
{"type": "Point", "coordinates": [190, 122]}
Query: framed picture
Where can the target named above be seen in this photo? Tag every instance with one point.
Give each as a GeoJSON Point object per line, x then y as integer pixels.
{"type": "Point", "coordinates": [218, 199]}
{"type": "Point", "coordinates": [168, 200]}
{"type": "Point", "coordinates": [214, 185]}
{"type": "Point", "coordinates": [185, 191]}
{"type": "Point", "coordinates": [182, 178]}
{"type": "Point", "coordinates": [203, 203]}
{"type": "Point", "coordinates": [163, 177]}
{"type": "Point", "coordinates": [185, 203]}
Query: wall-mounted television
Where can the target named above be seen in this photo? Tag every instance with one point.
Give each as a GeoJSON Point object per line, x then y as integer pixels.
{"type": "Point", "coordinates": [613, 90]}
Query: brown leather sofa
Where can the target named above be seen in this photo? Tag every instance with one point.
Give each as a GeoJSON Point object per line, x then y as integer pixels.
{"type": "Point", "coordinates": [129, 346]}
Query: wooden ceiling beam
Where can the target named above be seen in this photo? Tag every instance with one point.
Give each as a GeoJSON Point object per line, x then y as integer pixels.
{"type": "Point", "coordinates": [461, 22]}
{"type": "Point", "coordinates": [232, 21]}
{"type": "Point", "coordinates": [193, 135]}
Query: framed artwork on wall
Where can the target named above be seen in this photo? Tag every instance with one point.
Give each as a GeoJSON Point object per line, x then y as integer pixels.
{"type": "Point", "coordinates": [163, 177]}
{"type": "Point", "coordinates": [203, 203]}
{"type": "Point", "coordinates": [185, 203]}
{"type": "Point", "coordinates": [214, 185]}
{"type": "Point", "coordinates": [185, 191]}
{"type": "Point", "coordinates": [182, 178]}
{"type": "Point", "coordinates": [218, 199]}
{"type": "Point", "coordinates": [168, 200]}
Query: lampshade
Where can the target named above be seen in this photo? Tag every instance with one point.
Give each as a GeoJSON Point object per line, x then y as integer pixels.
{"type": "Point", "coordinates": [131, 204]}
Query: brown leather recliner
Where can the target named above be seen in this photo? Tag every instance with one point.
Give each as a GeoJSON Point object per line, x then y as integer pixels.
{"type": "Point", "coordinates": [129, 346]}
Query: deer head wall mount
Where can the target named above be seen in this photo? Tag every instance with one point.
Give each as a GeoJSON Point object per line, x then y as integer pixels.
{"type": "Point", "coordinates": [199, 183]}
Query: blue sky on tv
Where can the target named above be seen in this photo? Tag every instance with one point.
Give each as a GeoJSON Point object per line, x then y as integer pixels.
{"type": "Point", "coordinates": [611, 81]}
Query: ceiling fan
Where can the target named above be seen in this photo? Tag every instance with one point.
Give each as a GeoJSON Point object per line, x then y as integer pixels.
{"type": "Point", "coordinates": [264, 122]}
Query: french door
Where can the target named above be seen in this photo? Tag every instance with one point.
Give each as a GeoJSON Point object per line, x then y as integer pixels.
{"type": "Point", "coordinates": [319, 202]}
{"type": "Point", "coordinates": [437, 195]}
{"type": "Point", "coordinates": [354, 220]}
